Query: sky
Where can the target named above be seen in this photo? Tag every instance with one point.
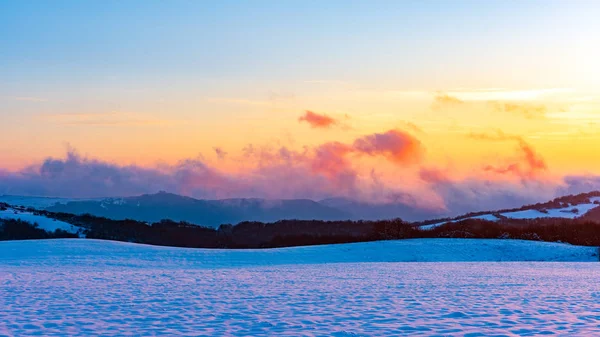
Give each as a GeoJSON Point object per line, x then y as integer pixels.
{"type": "Point", "coordinates": [413, 101]}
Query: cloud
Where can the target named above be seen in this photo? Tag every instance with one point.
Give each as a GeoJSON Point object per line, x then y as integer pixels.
{"type": "Point", "coordinates": [443, 99]}
{"type": "Point", "coordinates": [477, 194]}
{"type": "Point", "coordinates": [518, 103]}
{"type": "Point", "coordinates": [528, 165]}
{"type": "Point", "coordinates": [316, 120]}
{"type": "Point", "coordinates": [330, 158]}
{"type": "Point", "coordinates": [527, 110]}
{"type": "Point", "coordinates": [533, 159]}
{"type": "Point", "coordinates": [497, 135]}
{"type": "Point", "coordinates": [75, 176]}
{"type": "Point", "coordinates": [412, 126]}
{"type": "Point", "coordinates": [324, 171]}
{"type": "Point", "coordinates": [433, 175]}
{"type": "Point", "coordinates": [396, 145]}
{"type": "Point", "coordinates": [481, 193]}
{"type": "Point", "coordinates": [501, 94]}
{"type": "Point", "coordinates": [221, 154]}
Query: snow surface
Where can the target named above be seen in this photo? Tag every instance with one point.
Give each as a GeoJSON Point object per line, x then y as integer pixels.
{"type": "Point", "coordinates": [488, 217]}
{"type": "Point", "coordinates": [566, 212]}
{"type": "Point", "coordinates": [84, 252]}
{"type": "Point", "coordinates": [90, 287]}
{"type": "Point", "coordinates": [47, 224]}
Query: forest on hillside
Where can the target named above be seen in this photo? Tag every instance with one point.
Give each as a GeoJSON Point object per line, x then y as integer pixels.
{"type": "Point", "coordinates": [285, 233]}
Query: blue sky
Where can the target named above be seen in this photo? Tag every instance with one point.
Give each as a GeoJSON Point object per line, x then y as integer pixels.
{"type": "Point", "coordinates": [71, 42]}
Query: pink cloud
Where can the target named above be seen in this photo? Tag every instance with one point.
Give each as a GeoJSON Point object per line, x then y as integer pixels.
{"type": "Point", "coordinates": [433, 175]}
{"type": "Point", "coordinates": [397, 146]}
{"type": "Point", "coordinates": [221, 154]}
{"type": "Point", "coordinates": [316, 120]}
{"type": "Point", "coordinates": [325, 171]}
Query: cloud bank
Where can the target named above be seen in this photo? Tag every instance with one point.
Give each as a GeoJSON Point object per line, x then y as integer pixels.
{"type": "Point", "coordinates": [324, 171]}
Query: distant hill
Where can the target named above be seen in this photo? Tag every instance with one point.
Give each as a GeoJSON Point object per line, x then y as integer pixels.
{"type": "Point", "coordinates": [209, 213]}
{"type": "Point", "coordinates": [35, 202]}
{"type": "Point", "coordinates": [583, 206]}
{"type": "Point", "coordinates": [212, 213]}
{"type": "Point", "coordinates": [574, 219]}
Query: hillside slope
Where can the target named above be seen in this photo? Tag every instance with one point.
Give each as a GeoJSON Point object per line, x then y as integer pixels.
{"type": "Point", "coordinates": [95, 252]}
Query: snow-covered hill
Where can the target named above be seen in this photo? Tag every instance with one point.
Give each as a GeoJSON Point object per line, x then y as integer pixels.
{"type": "Point", "coordinates": [95, 252]}
{"type": "Point", "coordinates": [212, 213]}
{"type": "Point", "coordinates": [568, 211]}
{"type": "Point", "coordinates": [288, 233]}
{"type": "Point", "coordinates": [47, 224]}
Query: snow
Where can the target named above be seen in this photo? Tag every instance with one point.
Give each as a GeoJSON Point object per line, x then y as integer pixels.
{"type": "Point", "coordinates": [89, 287]}
{"type": "Point", "coordinates": [47, 224]}
{"type": "Point", "coordinates": [488, 217]}
{"type": "Point", "coordinates": [413, 250]}
{"type": "Point", "coordinates": [566, 212]}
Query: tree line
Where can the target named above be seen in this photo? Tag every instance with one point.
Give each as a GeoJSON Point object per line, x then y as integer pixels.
{"type": "Point", "coordinates": [285, 233]}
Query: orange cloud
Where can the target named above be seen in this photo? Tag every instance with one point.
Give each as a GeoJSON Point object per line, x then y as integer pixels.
{"type": "Point", "coordinates": [433, 175]}
{"type": "Point", "coordinates": [412, 126]}
{"type": "Point", "coordinates": [397, 146]}
{"type": "Point", "coordinates": [498, 135]}
{"type": "Point", "coordinates": [316, 120]}
{"type": "Point", "coordinates": [530, 164]}
{"type": "Point", "coordinates": [221, 154]}
{"type": "Point", "coordinates": [535, 162]}
{"type": "Point", "coordinates": [526, 110]}
{"type": "Point", "coordinates": [330, 158]}
{"type": "Point", "coordinates": [445, 99]}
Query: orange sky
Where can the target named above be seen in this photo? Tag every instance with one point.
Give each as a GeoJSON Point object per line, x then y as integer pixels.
{"type": "Point", "coordinates": [561, 124]}
{"type": "Point", "coordinates": [494, 91]}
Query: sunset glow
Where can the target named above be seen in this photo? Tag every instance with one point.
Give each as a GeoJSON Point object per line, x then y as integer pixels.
{"type": "Point", "coordinates": [318, 104]}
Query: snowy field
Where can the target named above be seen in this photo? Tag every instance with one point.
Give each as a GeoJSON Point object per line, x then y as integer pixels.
{"type": "Point", "coordinates": [88, 287]}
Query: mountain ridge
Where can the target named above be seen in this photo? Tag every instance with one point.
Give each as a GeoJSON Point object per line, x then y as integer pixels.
{"type": "Point", "coordinates": [215, 212]}
{"type": "Point", "coordinates": [210, 213]}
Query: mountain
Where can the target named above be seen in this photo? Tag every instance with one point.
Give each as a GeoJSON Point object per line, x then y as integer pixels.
{"type": "Point", "coordinates": [574, 219]}
{"type": "Point", "coordinates": [35, 202]}
{"type": "Point", "coordinates": [210, 213]}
